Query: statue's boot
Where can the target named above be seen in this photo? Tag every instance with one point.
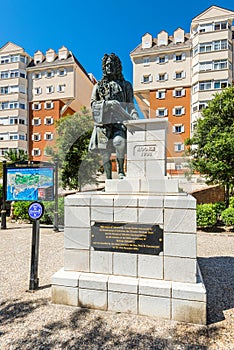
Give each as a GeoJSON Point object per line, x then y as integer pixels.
{"type": "Point", "coordinates": [108, 169]}
{"type": "Point", "coordinates": [121, 168]}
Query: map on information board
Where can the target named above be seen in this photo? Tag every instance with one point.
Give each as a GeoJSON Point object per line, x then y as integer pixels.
{"type": "Point", "coordinates": [30, 184]}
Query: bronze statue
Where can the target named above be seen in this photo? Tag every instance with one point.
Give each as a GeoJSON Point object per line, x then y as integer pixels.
{"type": "Point", "coordinates": [112, 104]}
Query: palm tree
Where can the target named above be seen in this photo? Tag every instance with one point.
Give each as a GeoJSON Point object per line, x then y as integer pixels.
{"type": "Point", "coordinates": [15, 155]}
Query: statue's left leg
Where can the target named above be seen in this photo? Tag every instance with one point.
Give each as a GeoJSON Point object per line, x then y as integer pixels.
{"type": "Point", "coordinates": [119, 142]}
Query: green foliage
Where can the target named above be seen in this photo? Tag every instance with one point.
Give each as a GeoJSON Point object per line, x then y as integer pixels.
{"type": "Point", "coordinates": [20, 210]}
{"type": "Point", "coordinates": [228, 216]}
{"type": "Point", "coordinates": [219, 207]}
{"type": "Point", "coordinates": [48, 217]}
{"type": "Point", "coordinates": [78, 165]}
{"type": "Point", "coordinates": [206, 215]}
{"type": "Point", "coordinates": [15, 155]}
{"type": "Point", "coordinates": [231, 202]}
{"type": "Point", "coordinates": [212, 146]}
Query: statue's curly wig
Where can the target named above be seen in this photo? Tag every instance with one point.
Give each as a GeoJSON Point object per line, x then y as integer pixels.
{"type": "Point", "coordinates": [118, 64]}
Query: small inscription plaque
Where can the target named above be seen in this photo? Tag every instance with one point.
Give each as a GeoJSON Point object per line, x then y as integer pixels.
{"type": "Point", "coordinates": [127, 238]}
{"type": "Point", "coordinates": [145, 151]}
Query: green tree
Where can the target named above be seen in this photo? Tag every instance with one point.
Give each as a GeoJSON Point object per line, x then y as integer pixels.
{"type": "Point", "coordinates": [212, 146]}
{"type": "Point", "coordinates": [15, 155]}
{"type": "Point", "coordinates": [78, 166]}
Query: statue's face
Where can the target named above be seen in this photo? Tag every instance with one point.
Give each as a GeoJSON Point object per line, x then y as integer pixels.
{"type": "Point", "coordinates": [110, 66]}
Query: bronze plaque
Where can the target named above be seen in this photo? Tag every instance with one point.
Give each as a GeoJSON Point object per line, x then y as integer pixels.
{"type": "Point", "coordinates": [127, 238]}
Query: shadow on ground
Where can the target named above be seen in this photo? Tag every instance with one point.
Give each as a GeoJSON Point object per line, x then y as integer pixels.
{"type": "Point", "coordinates": [218, 276]}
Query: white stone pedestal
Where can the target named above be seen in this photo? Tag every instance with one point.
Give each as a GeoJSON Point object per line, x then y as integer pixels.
{"type": "Point", "coordinates": [168, 285]}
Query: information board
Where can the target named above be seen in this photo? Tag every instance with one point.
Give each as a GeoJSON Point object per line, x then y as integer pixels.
{"type": "Point", "coordinates": [127, 238]}
{"type": "Point", "coordinates": [30, 184]}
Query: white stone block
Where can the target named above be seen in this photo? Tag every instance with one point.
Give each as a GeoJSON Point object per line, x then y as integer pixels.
{"type": "Point", "coordinates": [189, 311]}
{"type": "Point", "coordinates": [155, 306]}
{"type": "Point", "coordinates": [66, 278]}
{"type": "Point", "coordinates": [180, 220]}
{"type": "Point", "coordinates": [64, 295]}
{"type": "Point", "coordinates": [125, 264]}
{"type": "Point", "coordinates": [125, 201]}
{"type": "Point", "coordinates": [102, 214]}
{"type": "Point", "coordinates": [123, 284]}
{"type": "Point", "coordinates": [155, 169]}
{"type": "Point", "coordinates": [154, 287]}
{"type": "Point", "coordinates": [189, 291]}
{"type": "Point", "coordinates": [138, 134]}
{"type": "Point", "coordinates": [182, 245]}
{"type": "Point", "coordinates": [179, 269]}
{"type": "Point", "coordinates": [101, 262]}
{"type": "Point", "coordinates": [76, 260]}
{"type": "Point", "coordinates": [76, 238]}
{"type": "Point", "coordinates": [122, 186]}
{"type": "Point", "coordinates": [181, 201]}
{"type": "Point", "coordinates": [146, 150]}
{"type": "Point", "coordinates": [77, 216]}
{"type": "Point", "coordinates": [157, 135]}
{"type": "Point", "coordinates": [93, 281]}
{"type": "Point", "coordinates": [122, 302]}
{"type": "Point", "coordinates": [150, 215]}
{"type": "Point", "coordinates": [125, 214]}
{"type": "Point", "coordinates": [150, 201]}
{"type": "Point", "coordinates": [78, 200]}
{"type": "Point", "coordinates": [159, 185]}
{"type": "Point", "coordinates": [150, 266]}
{"type": "Point", "coordinates": [135, 169]}
{"type": "Point", "coordinates": [102, 200]}
{"type": "Point", "coordinates": [93, 299]}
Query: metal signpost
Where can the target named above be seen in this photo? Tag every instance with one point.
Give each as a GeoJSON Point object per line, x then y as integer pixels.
{"type": "Point", "coordinates": [35, 212]}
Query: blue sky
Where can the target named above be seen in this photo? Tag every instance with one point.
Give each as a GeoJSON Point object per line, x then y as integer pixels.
{"type": "Point", "coordinates": [91, 28]}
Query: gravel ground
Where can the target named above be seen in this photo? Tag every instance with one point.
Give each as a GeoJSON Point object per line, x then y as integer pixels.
{"type": "Point", "coordinates": [30, 321]}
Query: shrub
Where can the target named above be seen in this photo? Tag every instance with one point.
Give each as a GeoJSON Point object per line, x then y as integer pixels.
{"type": "Point", "coordinates": [231, 202]}
{"type": "Point", "coordinates": [228, 216]}
{"type": "Point", "coordinates": [206, 215]}
{"type": "Point", "coordinates": [20, 210]}
{"type": "Point", "coordinates": [219, 207]}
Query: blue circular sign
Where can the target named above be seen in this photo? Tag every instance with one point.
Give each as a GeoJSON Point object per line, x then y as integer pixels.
{"type": "Point", "coordinates": [36, 210]}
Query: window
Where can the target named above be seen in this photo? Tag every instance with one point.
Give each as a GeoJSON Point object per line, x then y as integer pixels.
{"type": "Point", "coordinates": [13, 137]}
{"type": "Point", "coordinates": [207, 27]}
{"type": "Point", "coordinates": [22, 137]}
{"type": "Point", "coordinates": [161, 112]}
{"type": "Point", "coordinates": [36, 106]}
{"type": "Point", "coordinates": [206, 47]}
{"type": "Point", "coordinates": [179, 92]}
{"type": "Point", "coordinates": [61, 88]}
{"type": "Point", "coordinates": [49, 105]}
{"type": "Point", "coordinates": [205, 85]}
{"type": "Point", "coordinates": [36, 137]}
{"type": "Point", "coordinates": [36, 152]}
{"type": "Point", "coordinates": [36, 121]}
{"type": "Point", "coordinates": [178, 147]}
{"type": "Point", "coordinates": [177, 111]}
{"type": "Point", "coordinates": [4, 90]}
{"type": "Point", "coordinates": [220, 26]}
{"type": "Point", "coordinates": [48, 121]}
{"type": "Point", "coordinates": [49, 89]}
{"type": "Point", "coordinates": [161, 94]}
{"type": "Point", "coordinates": [49, 74]}
{"type": "Point", "coordinates": [147, 79]}
{"type": "Point", "coordinates": [162, 59]}
{"type": "Point", "coordinates": [48, 136]}
{"type": "Point", "coordinates": [37, 75]}
{"type": "Point", "coordinates": [5, 59]}
{"type": "Point", "coordinates": [4, 75]}
{"type": "Point", "coordinates": [162, 77]}
{"type": "Point", "coordinates": [61, 72]}
{"type": "Point", "coordinates": [179, 57]}
{"type": "Point", "coordinates": [220, 84]}
{"type": "Point", "coordinates": [38, 91]}
{"type": "Point", "coordinates": [178, 129]}
{"type": "Point", "coordinates": [146, 61]}
{"type": "Point", "coordinates": [222, 64]}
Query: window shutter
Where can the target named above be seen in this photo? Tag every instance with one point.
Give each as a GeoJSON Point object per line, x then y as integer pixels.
{"type": "Point", "coordinates": [157, 94]}
{"type": "Point", "coordinates": [174, 93]}
{"type": "Point", "coordinates": [166, 112]}
{"type": "Point", "coordinates": [173, 111]}
{"type": "Point", "coordinates": [32, 137]}
{"type": "Point", "coordinates": [142, 79]}
{"type": "Point", "coordinates": [157, 77]}
{"type": "Point", "coordinates": [174, 75]}
{"type": "Point", "coordinates": [33, 76]}
{"type": "Point", "coordinates": [166, 76]}
{"type": "Point", "coordinates": [150, 78]}
{"type": "Point", "coordinates": [183, 92]}
{"type": "Point", "coordinates": [166, 58]}
{"type": "Point", "coordinates": [182, 128]}
{"type": "Point", "coordinates": [157, 59]}
{"type": "Point", "coordinates": [45, 136]}
{"type": "Point", "coordinates": [157, 113]}
{"type": "Point", "coordinates": [182, 147]}
{"type": "Point", "coordinates": [32, 121]}
{"type": "Point", "coordinates": [183, 110]}
{"type": "Point", "coordinates": [183, 74]}
{"type": "Point", "coordinates": [173, 129]}
{"type": "Point", "coordinates": [52, 136]}
{"type": "Point", "coordinates": [174, 57]}
{"type": "Point", "coordinates": [183, 56]}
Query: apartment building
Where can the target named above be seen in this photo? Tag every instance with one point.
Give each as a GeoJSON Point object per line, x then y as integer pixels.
{"type": "Point", "coordinates": [58, 86]}
{"type": "Point", "coordinates": [175, 76]}
{"type": "Point", "coordinates": [34, 93]}
{"type": "Point", "coordinates": [13, 98]}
